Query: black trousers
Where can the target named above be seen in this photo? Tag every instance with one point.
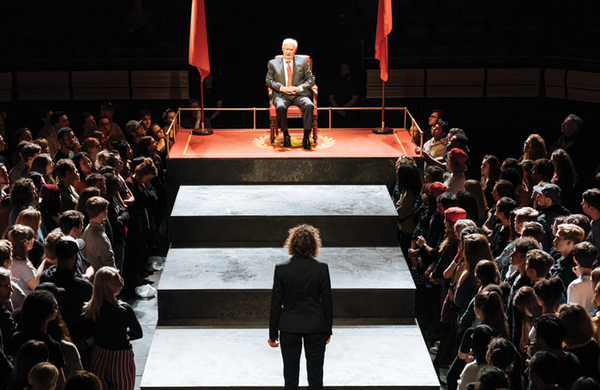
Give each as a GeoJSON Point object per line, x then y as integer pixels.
{"type": "Point", "coordinates": [314, 350]}
{"type": "Point", "coordinates": [304, 103]}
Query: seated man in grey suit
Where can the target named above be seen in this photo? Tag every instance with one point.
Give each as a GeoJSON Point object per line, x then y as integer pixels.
{"type": "Point", "coordinates": [301, 308]}
{"type": "Point", "coordinates": [290, 78]}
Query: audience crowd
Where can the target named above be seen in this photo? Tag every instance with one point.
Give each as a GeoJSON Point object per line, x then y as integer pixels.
{"type": "Point", "coordinates": [81, 212]}
{"type": "Point", "coordinates": [505, 262]}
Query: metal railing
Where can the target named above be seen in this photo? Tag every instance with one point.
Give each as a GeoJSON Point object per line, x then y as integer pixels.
{"type": "Point", "coordinates": [414, 127]}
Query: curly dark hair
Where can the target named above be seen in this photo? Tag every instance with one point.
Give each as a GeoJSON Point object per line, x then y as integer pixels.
{"type": "Point", "coordinates": [37, 307]}
{"type": "Point", "coordinates": [303, 241]}
{"type": "Point", "coordinates": [21, 194]}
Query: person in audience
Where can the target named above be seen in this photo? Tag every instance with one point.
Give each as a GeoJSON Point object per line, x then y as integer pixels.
{"type": "Point", "coordinates": [6, 261]}
{"type": "Point", "coordinates": [27, 153]}
{"type": "Point", "coordinates": [544, 369]}
{"type": "Point", "coordinates": [118, 217]}
{"type": "Point", "coordinates": [4, 180]}
{"type": "Point", "coordinates": [567, 236]}
{"type": "Point", "coordinates": [549, 292]}
{"type": "Point", "coordinates": [33, 219]}
{"type": "Point", "coordinates": [548, 335]}
{"type": "Point", "coordinates": [581, 291]}
{"type": "Point", "coordinates": [571, 140]}
{"type": "Point", "coordinates": [40, 307]}
{"type": "Point", "coordinates": [7, 322]}
{"type": "Point", "coordinates": [526, 184]}
{"type": "Point", "coordinates": [71, 224]}
{"type": "Point", "coordinates": [538, 265]}
{"type": "Point", "coordinates": [22, 237]}
{"type": "Point", "coordinates": [86, 120]}
{"type": "Point", "coordinates": [114, 326]}
{"type": "Point", "coordinates": [490, 173]}
{"type": "Point", "coordinates": [591, 207]}
{"type": "Point", "coordinates": [456, 165]}
{"type": "Point", "coordinates": [548, 200]}
{"type": "Point", "coordinates": [43, 376]}
{"type": "Point", "coordinates": [49, 207]}
{"type": "Point", "coordinates": [564, 176]}
{"type": "Point", "coordinates": [31, 353]}
{"type": "Point", "coordinates": [519, 217]}
{"type": "Point", "coordinates": [534, 148]}
{"type": "Point", "coordinates": [114, 131]}
{"type": "Point", "coordinates": [83, 380]}
{"type": "Point", "coordinates": [66, 137]}
{"type": "Point", "coordinates": [141, 228]}
{"type": "Point", "coordinates": [43, 144]}
{"type": "Point", "coordinates": [526, 302]}
{"type": "Point", "coordinates": [83, 198]}
{"type": "Point", "coordinates": [503, 354]}
{"type": "Point", "coordinates": [490, 310]}
{"type": "Point", "coordinates": [584, 383]}
{"type": "Point", "coordinates": [23, 193]}
{"type": "Point", "coordinates": [501, 232]}
{"type": "Point", "coordinates": [409, 188]}
{"type": "Point", "coordinates": [84, 166]}
{"type": "Point", "coordinates": [159, 136]}
{"type": "Point", "coordinates": [135, 133]}
{"type": "Point", "coordinates": [58, 120]}
{"type": "Point", "coordinates": [49, 251]}
{"type": "Point", "coordinates": [542, 171]}
{"type": "Point", "coordinates": [92, 147]}
{"type": "Point", "coordinates": [67, 175]}
{"type": "Point", "coordinates": [97, 245]}
{"type": "Point", "coordinates": [474, 348]}
{"type": "Point", "coordinates": [580, 220]}
{"type": "Point", "coordinates": [579, 338]}
{"type": "Point", "coordinates": [96, 180]}
{"type": "Point", "coordinates": [78, 289]}
{"type": "Point", "coordinates": [491, 378]}
{"type": "Point", "coordinates": [595, 314]}
{"type": "Point", "coordinates": [435, 147]}
{"type": "Point", "coordinates": [43, 164]}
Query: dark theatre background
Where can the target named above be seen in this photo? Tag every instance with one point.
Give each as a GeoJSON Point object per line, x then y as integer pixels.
{"type": "Point", "coordinates": [69, 35]}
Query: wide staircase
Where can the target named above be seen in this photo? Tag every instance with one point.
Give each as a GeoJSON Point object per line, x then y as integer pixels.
{"type": "Point", "coordinates": [214, 292]}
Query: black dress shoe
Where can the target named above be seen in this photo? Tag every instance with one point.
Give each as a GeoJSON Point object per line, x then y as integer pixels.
{"type": "Point", "coordinates": [287, 142]}
{"type": "Point", "coordinates": [306, 143]}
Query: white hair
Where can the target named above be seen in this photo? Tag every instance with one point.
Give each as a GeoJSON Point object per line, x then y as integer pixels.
{"type": "Point", "coordinates": [290, 40]}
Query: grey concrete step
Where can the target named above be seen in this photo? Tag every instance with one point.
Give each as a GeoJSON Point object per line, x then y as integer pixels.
{"type": "Point", "coordinates": [261, 215]}
{"type": "Point", "coordinates": [235, 283]}
{"type": "Point", "coordinates": [358, 357]}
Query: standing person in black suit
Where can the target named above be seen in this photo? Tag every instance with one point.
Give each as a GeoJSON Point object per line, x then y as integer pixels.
{"type": "Point", "coordinates": [291, 79]}
{"type": "Point", "coordinates": [302, 308]}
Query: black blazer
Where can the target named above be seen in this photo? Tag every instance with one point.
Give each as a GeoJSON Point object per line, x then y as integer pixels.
{"type": "Point", "coordinates": [301, 300]}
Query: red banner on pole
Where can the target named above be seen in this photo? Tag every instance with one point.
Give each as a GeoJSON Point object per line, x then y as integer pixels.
{"type": "Point", "coordinates": [198, 56]}
{"type": "Point", "coordinates": [384, 27]}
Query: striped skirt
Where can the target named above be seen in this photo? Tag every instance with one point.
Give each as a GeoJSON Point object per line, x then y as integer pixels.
{"type": "Point", "coordinates": [116, 369]}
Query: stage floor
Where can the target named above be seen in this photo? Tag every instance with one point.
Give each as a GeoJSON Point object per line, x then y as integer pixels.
{"type": "Point", "coordinates": [331, 143]}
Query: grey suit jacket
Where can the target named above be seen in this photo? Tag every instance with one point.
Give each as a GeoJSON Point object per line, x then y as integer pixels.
{"type": "Point", "coordinates": [301, 75]}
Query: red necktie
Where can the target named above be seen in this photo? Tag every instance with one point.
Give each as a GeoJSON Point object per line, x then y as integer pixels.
{"type": "Point", "coordinates": [289, 74]}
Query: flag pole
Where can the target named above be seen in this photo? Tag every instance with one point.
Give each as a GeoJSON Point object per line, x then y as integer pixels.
{"type": "Point", "coordinates": [198, 57]}
{"type": "Point", "coordinates": [384, 27]}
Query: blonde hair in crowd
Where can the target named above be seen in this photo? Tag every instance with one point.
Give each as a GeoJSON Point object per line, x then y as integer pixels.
{"type": "Point", "coordinates": [103, 279]}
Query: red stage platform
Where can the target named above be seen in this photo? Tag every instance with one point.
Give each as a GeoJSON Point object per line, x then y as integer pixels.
{"type": "Point", "coordinates": [331, 143]}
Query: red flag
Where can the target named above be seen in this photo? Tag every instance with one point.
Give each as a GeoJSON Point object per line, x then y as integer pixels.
{"type": "Point", "coordinates": [198, 42]}
{"type": "Point", "coordinates": [384, 27]}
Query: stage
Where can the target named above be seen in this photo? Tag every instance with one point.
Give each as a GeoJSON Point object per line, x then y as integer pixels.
{"type": "Point", "coordinates": [246, 156]}
{"type": "Point", "coordinates": [331, 143]}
